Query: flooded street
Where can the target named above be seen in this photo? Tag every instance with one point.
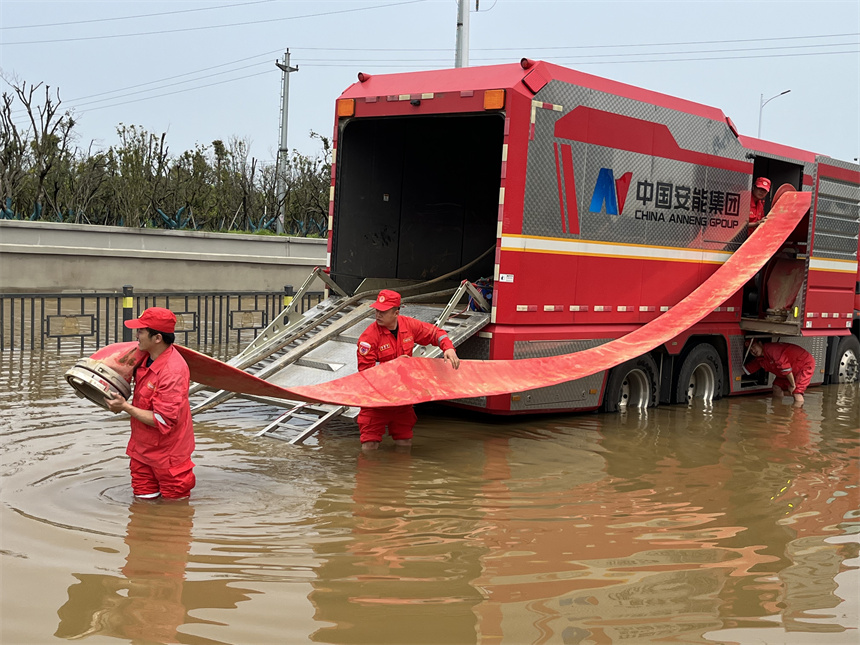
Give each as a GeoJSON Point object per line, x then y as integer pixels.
{"type": "Point", "coordinates": [733, 523]}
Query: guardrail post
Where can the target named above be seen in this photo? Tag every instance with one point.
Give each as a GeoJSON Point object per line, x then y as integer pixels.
{"type": "Point", "coordinates": [127, 310]}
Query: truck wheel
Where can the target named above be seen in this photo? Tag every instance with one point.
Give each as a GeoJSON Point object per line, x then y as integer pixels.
{"type": "Point", "coordinates": [847, 367]}
{"type": "Point", "coordinates": [632, 385]}
{"type": "Point", "coordinates": [700, 376]}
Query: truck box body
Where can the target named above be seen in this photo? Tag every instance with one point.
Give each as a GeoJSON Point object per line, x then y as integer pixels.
{"type": "Point", "coordinates": [605, 205]}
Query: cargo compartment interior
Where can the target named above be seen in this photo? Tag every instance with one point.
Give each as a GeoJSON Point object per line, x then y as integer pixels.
{"type": "Point", "coordinates": [416, 197]}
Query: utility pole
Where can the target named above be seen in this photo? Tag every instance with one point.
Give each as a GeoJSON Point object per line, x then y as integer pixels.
{"type": "Point", "coordinates": [283, 151]}
{"type": "Point", "coordinates": [461, 57]}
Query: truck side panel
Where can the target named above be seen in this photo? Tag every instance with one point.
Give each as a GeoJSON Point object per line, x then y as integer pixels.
{"type": "Point", "coordinates": [833, 260]}
{"type": "Point", "coordinates": [613, 204]}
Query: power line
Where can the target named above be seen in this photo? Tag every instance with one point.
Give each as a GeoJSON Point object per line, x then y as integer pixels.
{"type": "Point", "coordinates": [495, 59]}
{"type": "Point", "coordinates": [428, 65]}
{"type": "Point", "coordinates": [170, 78]}
{"type": "Point", "coordinates": [433, 64]}
{"type": "Point", "coordinates": [193, 80]}
{"type": "Point", "coordinates": [521, 48]}
{"type": "Point", "coordinates": [354, 61]}
{"type": "Point", "coordinates": [188, 89]}
{"type": "Point", "coordinates": [144, 15]}
{"type": "Point", "coordinates": [235, 24]}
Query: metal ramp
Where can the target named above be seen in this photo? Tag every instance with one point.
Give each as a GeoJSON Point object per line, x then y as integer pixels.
{"type": "Point", "coordinates": [295, 425]}
{"type": "Point", "coordinates": [320, 346]}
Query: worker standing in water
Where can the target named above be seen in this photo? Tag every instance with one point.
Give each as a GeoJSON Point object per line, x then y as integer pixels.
{"type": "Point", "coordinates": [391, 336]}
{"type": "Point", "coordinates": [162, 434]}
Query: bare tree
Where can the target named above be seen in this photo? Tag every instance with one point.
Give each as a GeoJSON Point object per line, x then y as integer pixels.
{"type": "Point", "coordinates": [49, 134]}
{"type": "Point", "coordinates": [137, 183]}
{"type": "Point", "coordinates": [13, 152]}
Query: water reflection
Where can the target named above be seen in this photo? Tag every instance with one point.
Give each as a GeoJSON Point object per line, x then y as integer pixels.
{"type": "Point", "coordinates": [734, 522]}
{"type": "Point", "coordinates": [152, 599]}
{"type": "Point", "coordinates": [697, 519]}
{"type": "Point", "coordinates": [146, 603]}
{"type": "Point", "coordinates": [406, 563]}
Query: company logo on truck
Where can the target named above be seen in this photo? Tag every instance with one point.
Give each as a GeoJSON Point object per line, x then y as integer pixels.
{"type": "Point", "coordinates": [610, 192]}
{"type": "Point", "coordinates": [690, 205]}
{"type": "Point", "coordinates": [655, 201]}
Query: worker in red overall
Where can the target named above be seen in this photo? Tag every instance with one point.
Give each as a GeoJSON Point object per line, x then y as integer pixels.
{"type": "Point", "coordinates": [162, 435]}
{"type": "Point", "coordinates": [393, 335]}
{"type": "Point", "coordinates": [760, 190]}
{"type": "Point", "coordinates": [792, 365]}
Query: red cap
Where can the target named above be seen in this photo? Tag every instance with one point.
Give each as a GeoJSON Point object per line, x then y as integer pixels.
{"type": "Point", "coordinates": [387, 299]}
{"type": "Point", "coordinates": [157, 318]}
{"type": "Point", "coordinates": [763, 182]}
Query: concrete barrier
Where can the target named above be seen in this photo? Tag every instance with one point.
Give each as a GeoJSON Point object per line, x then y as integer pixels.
{"type": "Point", "coordinates": [49, 257]}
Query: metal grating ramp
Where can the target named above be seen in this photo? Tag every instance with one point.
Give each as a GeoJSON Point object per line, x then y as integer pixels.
{"type": "Point", "coordinates": [320, 346]}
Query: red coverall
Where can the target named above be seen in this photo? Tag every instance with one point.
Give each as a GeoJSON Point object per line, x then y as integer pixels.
{"type": "Point", "coordinates": [377, 345]}
{"type": "Point", "coordinates": [161, 455]}
{"type": "Point", "coordinates": [782, 359]}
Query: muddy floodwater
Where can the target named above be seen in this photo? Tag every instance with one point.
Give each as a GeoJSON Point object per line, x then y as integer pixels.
{"type": "Point", "coordinates": [731, 523]}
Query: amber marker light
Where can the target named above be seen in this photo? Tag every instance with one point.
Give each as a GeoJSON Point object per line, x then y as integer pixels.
{"type": "Point", "coordinates": [494, 99]}
{"type": "Point", "coordinates": [345, 107]}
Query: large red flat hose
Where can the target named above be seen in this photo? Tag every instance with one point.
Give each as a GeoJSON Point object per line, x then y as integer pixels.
{"type": "Point", "coordinates": [415, 380]}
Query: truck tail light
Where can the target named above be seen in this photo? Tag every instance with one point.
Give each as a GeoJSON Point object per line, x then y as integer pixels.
{"type": "Point", "coordinates": [494, 99]}
{"type": "Point", "coordinates": [345, 107]}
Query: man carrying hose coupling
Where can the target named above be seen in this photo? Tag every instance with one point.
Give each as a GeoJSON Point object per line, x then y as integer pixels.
{"type": "Point", "coordinates": [391, 336]}
{"type": "Point", "coordinates": [162, 434]}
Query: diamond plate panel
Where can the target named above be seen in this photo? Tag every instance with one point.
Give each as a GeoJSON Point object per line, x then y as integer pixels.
{"type": "Point", "coordinates": [573, 394]}
{"type": "Point", "coordinates": [816, 345]}
{"type": "Point", "coordinates": [837, 220]}
{"type": "Point", "coordinates": [541, 212]}
{"type": "Point", "coordinates": [699, 207]}
{"type": "Point", "coordinates": [475, 402]}
{"type": "Point", "coordinates": [838, 163]}
{"type": "Point", "coordinates": [566, 94]}
{"type": "Point", "coordinates": [622, 105]}
{"type": "Point", "coordinates": [736, 357]}
{"type": "Point", "coordinates": [837, 247]}
{"type": "Point", "coordinates": [727, 226]}
{"type": "Point", "coordinates": [840, 216]}
{"type": "Point", "coordinates": [834, 190]}
{"type": "Point", "coordinates": [475, 348]}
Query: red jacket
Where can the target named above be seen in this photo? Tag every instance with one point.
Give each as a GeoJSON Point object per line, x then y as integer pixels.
{"type": "Point", "coordinates": [163, 388]}
{"type": "Point", "coordinates": [378, 345]}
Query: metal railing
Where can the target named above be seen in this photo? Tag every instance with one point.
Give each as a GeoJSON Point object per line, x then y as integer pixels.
{"type": "Point", "coordinates": [88, 321]}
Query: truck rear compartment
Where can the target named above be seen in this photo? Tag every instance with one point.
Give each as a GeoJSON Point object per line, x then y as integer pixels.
{"type": "Point", "coordinates": [416, 197]}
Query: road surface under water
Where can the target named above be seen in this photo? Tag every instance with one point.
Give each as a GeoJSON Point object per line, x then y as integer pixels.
{"type": "Point", "coordinates": [731, 523]}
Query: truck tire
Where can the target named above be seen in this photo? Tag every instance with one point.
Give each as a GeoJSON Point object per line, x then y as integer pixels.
{"type": "Point", "coordinates": [632, 385]}
{"type": "Point", "coordinates": [846, 367]}
{"type": "Point", "coordinates": [700, 376]}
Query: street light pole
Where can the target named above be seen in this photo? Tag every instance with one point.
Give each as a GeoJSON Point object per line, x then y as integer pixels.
{"type": "Point", "coordinates": [761, 105]}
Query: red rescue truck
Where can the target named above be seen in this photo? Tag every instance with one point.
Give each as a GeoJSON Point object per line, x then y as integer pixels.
{"type": "Point", "coordinates": [605, 205]}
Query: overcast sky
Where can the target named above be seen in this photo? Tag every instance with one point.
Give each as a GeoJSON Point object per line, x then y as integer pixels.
{"type": "Point", "coordinates": [205, 70]}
